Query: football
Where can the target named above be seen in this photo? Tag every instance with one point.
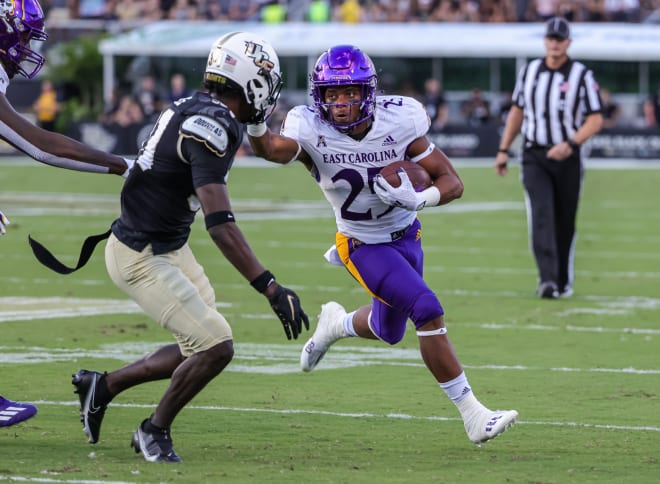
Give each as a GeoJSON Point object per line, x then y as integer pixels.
{"type": "Point", "coordinates": [419, 177]}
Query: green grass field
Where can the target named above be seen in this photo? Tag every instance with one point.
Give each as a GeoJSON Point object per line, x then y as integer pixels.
{"type": "Point", "coordinates": [584, 373]}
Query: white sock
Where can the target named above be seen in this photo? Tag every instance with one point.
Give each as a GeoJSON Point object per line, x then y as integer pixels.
{"type": "Point", "coordinates": [460, 392]}
{"type": "Point", "coordinates": [349, 330]}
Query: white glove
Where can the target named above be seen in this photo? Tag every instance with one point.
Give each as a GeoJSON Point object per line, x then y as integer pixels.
{"type": "Point", "coordinates": [403, 196]}
{"type": "Point", "coordinates": [129, 162]}
{"type": "Point", "coordinates": [3, 221]}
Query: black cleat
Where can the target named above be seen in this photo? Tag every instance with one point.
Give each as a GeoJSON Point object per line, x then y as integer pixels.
{"type": "Point", "coordinates": [155, 446]}
{"type": "Point", "coordinates": [91, 413]}
{"type": "Point", "coordinates": [547, 290]}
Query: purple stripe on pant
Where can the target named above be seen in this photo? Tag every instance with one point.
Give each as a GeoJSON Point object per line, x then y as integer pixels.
{"type": "Point", "coordinates": [392, 274]}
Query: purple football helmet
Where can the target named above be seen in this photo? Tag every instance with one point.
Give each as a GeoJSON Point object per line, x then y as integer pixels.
{"type": "Point", "coordinates": [344, 65]}
{"type": "Point", "coordinates": [21, 21]}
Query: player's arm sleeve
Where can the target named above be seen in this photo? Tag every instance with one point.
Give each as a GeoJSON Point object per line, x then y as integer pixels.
{"type": "Point", "coordinates": [21, 144]}
{"type": "Point", "coordinates": [294, 123]}
{"type": "Point", "coordinates": [299, 125]}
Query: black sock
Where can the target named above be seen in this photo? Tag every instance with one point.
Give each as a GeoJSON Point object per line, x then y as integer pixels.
{"type": "Point", "coordinates": [102, 395]}
{"type": "Point", "coordinates": [151, 428]}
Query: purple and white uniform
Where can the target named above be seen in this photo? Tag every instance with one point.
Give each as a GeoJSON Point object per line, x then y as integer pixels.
{"type": "Point", "coordinates": [20, 143]}
{"type": "Point", "coordinates": [380, 245]}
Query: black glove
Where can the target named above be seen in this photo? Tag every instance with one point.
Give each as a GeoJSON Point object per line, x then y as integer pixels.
{"type": "Point", "coordinates": [287, 307]}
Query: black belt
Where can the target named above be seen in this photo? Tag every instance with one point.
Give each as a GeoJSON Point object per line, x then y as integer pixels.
{"type": "Point", "coordinates": [535, 147]}
{"type": "Point", "coordinates": [393, 235]}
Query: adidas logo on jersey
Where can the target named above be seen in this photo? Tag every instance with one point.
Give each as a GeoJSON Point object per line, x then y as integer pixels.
{"type": "Point", "coordinates": [389, 141]}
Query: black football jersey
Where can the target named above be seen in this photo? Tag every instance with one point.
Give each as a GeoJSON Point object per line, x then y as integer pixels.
{"type": "Point", "coordinates": [192, 144]}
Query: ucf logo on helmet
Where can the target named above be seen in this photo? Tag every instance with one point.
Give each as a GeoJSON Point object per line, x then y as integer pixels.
{"type": "Point", "coordinates": [261, 58]}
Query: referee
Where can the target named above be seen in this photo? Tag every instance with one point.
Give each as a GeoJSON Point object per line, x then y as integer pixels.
{"type": "Point", "coordinates": [556, 108]}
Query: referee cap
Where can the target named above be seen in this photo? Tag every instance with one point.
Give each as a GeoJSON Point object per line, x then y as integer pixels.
{"type": "Point", "coordinates": [557, 27]}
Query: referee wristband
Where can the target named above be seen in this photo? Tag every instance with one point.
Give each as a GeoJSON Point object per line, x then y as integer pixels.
{"type": "Point", "coordinates": [573, 144]}
{"type": "Point", "coordinates": [262, 281]}
{"type": "Point", "coordinates": [502, 150]}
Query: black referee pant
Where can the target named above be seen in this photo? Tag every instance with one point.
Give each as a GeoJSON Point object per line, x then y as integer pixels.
{"type": "Point", "coordinates": [552, 192]}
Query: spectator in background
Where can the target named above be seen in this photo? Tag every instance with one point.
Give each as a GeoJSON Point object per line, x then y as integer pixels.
{"type": "Point", "coordinates": [506, 102]}
{"type": "Point", "coordinates": [146, 93]}
{"type": "Point", "coordinates": [570, 10]}
{"type": "Point", "coordinates": [128, 112]}
{"type": "Point", "coordinates": [622, 10]}
{"type": "Point", "coordinates": [274, 11]}
{"type": "Point", "coordinates": [153, 10]}
{"type": "Point", "coordinates": [178, 87]}
{"type": "Point", "coordinates": [458, 11]}
{"type": "Point", "coordinates": [46, 106]}
{"type": "Point", "coordinates": [216, 10]}
{"type": "Point", "coordinates": [319, 11]}
{"type": "Point", "coordinates": [244, 10]}
{"type": "Point", "coordinates": [184, 10]}
{"type": "Point", "coordinates": [424, 10]}
{"type": "Point", "coordinates": [400, 10]}
{"type": "Point", "coordinates": [652, 110]}
{"type": "Point", "coordinates": [297, 10]}
{"type": "Point", "coordinates": [89, 9]}
{"type": "Point", "coordinates": [128, 10]}
{"type": "Point", "coordinates": [476, 109]}
{"type": "Point", "coordinates": [496, 11]}
{"type": "Point", "coordinates": [374, 11]}
{"type": "Point", "coordinates": [348, 12]}
{"type": "Point", "coordinates": [546, 9]}
{"type": "Point", "coordinates": [435, 103]}
{"type": "Point", "coordinates": [611, 110]}
{"type": "Point", "coordinates": [594, 11]}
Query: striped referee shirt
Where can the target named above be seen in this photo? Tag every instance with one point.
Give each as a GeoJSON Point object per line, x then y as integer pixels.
{"type": "Point", "coordinates": [555, 102]}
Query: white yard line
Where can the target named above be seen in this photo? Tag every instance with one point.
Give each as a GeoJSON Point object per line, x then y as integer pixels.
{"type": "Point", "coordinates": [391, 416]}
{"type": "Point", "coordinates": [276, 359]}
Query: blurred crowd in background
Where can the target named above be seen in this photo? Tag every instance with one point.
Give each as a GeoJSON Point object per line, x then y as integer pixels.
{"type": "Point", "coordinates": [354, 11]}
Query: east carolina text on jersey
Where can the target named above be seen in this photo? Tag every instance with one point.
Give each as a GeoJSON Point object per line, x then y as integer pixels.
{"type": "Point", "coordinates": [388, 155]}
{"type": "Point", "coordinates": [344, 168]}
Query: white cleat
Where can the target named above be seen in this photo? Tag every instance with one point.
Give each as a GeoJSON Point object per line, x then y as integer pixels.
{"type": "Point", "coordinates": [329, 329]}
{"type": "Point", "coordinates": [488, 424]}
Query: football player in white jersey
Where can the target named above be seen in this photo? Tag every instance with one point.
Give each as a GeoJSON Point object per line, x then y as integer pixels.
{"type": "Point", "coordinates": [21, 22]}
{"type": "Point", "coordinates": [344, 140]}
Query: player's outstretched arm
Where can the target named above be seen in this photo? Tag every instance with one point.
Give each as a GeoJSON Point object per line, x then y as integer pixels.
{"type": "Point", "coordinates": [228, 237]}
{"type": "Point", "coordinates": [442, 172]}
{"type": "Point", "coordinates": [273, 147]}
{"type": "Point", "coordinates": [53, 148]}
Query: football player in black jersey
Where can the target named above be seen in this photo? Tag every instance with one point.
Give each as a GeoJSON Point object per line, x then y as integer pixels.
{"type": "Point", "coordinates": [183, 166]}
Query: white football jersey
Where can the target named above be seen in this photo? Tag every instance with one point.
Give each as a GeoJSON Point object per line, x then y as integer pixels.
{"type": "Point", "coordinates": [345, 168]}
{"type": "Point", "coordinates": [4, 80]}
